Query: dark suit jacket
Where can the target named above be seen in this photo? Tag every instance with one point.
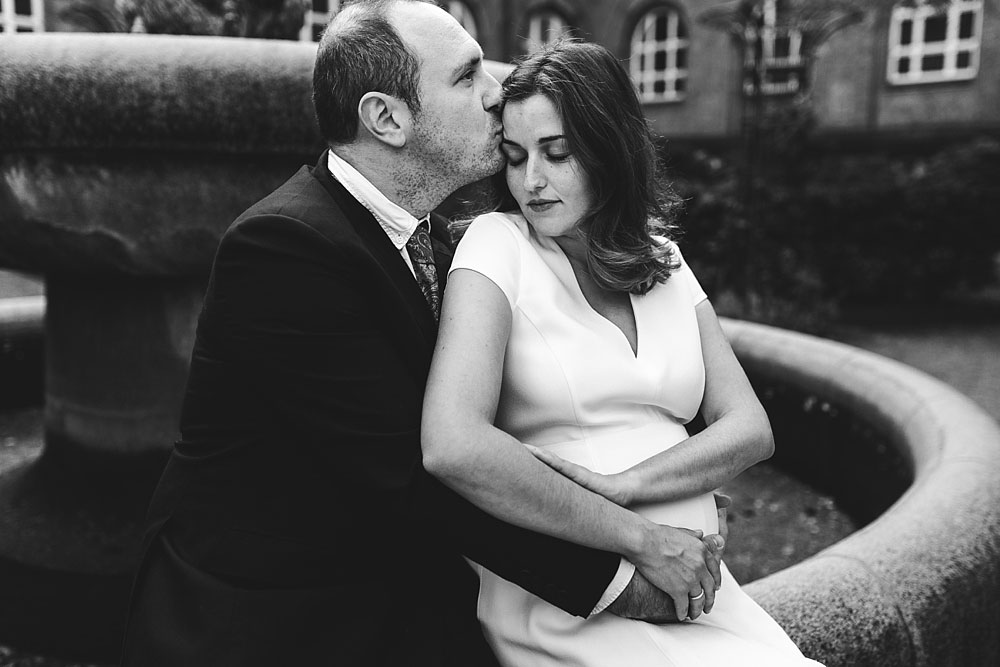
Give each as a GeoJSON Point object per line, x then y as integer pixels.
{"type": "Point", "coordinates": [294, 524]}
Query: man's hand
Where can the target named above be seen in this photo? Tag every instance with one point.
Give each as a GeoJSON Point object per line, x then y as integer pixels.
{"type": "Point", "coordinates": [684, 565]}
{"type": "Point", "coordinates": [643, 601]}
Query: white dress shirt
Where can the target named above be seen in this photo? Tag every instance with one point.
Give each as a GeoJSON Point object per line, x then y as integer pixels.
{"type": "Point", "coordinates": [399, 225]}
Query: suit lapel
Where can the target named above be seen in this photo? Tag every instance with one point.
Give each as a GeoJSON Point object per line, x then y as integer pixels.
{"type": "Point", "coordinates": [387, 257]}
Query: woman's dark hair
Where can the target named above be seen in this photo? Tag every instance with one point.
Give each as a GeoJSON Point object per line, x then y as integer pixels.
{"type": "Point", "coordinates": [608, 134]}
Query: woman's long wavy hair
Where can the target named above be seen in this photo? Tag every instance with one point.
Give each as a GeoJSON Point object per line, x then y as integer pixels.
{"type": "Point", "coordinates": [610, 138]}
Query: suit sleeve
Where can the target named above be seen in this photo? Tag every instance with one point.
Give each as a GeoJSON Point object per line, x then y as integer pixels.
{"type": "Point", "coordinates": [307, 317]}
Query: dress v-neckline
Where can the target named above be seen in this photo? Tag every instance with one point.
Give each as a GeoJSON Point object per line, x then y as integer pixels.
{"type": "Point", "coordinates": [585, 302]}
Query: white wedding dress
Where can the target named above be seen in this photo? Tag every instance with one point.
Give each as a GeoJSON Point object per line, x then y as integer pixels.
{"type": "Point", "coordinates": [572, 384]}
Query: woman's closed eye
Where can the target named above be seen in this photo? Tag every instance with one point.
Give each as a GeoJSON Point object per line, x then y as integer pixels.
{"type": "Point", "coordinates": [516, 158]}
{"type": "Point", "coordinates": [513, 155]}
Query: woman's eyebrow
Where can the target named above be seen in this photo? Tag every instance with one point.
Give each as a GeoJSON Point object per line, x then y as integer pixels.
{"type": "Point", "coordinates": [542, 140]}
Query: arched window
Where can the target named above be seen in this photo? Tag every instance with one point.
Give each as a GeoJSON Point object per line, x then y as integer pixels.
{"type": "Point", "coordinates": [544, 27]}
{"type": "Point", "coordinates": [930, 43]}
{"type": "Point", "coordinates": [317, 16]}
{"type": "Point", "coordinates": [464, 16]}
{"type": "Point", "coordinates": [659, 62]}
{"type": "Point", "coordinates": [22, 16]}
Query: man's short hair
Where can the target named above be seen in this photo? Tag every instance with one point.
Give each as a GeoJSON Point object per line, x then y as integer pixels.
{"type": "Point", "coordinates": [360, 52]}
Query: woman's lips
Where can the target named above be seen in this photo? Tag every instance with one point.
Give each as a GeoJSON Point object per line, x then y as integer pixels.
{"type": "Point", "coordinates": [540, 206]}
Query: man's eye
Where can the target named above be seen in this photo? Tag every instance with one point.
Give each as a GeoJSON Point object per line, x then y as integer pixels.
{"type": "Point", "coordinates": [468, 76]}
{"type": "Point", "coordinates": [559, 157]}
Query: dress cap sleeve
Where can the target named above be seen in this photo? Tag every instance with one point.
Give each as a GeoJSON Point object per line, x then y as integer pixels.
{"type": "Point", "coordinates": [492, 246]}
{"type": "Point", "coordinates": [685, 275]}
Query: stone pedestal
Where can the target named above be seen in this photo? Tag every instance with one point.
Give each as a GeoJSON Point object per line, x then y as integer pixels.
{"type": "Point", "coordinates": [122, 161]}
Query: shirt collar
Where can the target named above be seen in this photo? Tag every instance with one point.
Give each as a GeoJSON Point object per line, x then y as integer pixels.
{"type": "Point", "coordinates": [395, 222]}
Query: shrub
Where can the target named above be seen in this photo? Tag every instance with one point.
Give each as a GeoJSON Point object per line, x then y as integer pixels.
{"type": "Point", "coordinates": [831, 229]}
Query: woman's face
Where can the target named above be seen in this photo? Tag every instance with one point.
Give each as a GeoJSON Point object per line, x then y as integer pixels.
{"type": "Point", "coordinates": [545, 178]}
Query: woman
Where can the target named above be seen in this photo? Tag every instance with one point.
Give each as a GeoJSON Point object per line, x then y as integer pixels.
{"type": "Point", "coordinates": [573, 330]}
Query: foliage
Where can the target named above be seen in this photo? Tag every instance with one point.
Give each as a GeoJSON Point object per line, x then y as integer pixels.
{"type": "Point", "coordinates": [270, 19]}
{"type": "Point", "coordinates": [823, 230]}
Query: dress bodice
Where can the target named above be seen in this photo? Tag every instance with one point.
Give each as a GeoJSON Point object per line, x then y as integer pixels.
{"type": "Point", "coordinates": [568, 371]}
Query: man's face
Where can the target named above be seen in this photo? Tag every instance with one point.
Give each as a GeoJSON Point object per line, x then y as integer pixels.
{"type": "Point", "coordinates": [457, 132]}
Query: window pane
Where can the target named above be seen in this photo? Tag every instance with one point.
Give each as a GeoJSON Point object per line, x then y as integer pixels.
{"type": "Point", "coordinates": [936, 28]}
{"type": "Point", "coordinates": [782, 47]}
{"type": "Point", "coordinates": [321, 6]}
{"type": "Point", "coordinates": [779, 76]}
{"type": "Point", "coordinates": [659, 58]}
{"type": "Point", "coordinates": [680, 85]}
{"type": "Point", "coordinates": [904, 66]}
{"type": "Point", "coordinates": [964, 60]}
{"type": "Point", "coordinates": [965, 25]}
{"type": "Point", "coordinates": [22, 7]}
{"type": "Point", "coordinates": [681, 30]}
{"type": "Point", "coordinates": [661, 28]}
{"type": "Point", "coordinates": [906, 32]}
{"type": "Point", "coordinates": [933, 63]}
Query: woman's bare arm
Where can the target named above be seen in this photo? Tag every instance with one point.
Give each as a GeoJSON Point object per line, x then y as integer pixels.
{"type": "Point", "coordinates": [498, 474]}
{"type": "Point", "coordinates": [738, 435]}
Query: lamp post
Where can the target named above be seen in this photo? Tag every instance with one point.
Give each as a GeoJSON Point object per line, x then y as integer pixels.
{"type": "Point", "coordinates": [751, 23]}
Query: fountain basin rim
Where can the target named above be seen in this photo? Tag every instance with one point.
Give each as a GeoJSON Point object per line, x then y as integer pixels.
{"type": "Point", "coordinates": [914, 585]}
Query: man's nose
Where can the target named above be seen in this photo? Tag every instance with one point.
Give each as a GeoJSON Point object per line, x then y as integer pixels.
{"type": "Point", "coordinates": [491, 96]}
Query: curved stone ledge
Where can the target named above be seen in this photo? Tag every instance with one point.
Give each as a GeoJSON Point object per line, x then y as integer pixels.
{"type": "Point", "coordinates": [918, 586]}
{"type": "Point", "coordinates": [118, 91]}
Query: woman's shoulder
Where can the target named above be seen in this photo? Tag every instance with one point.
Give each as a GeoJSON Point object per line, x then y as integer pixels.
{"type": "Point", "coordinates": [493, 235]}
{"type": "Point", "coordinates": [511, 220]}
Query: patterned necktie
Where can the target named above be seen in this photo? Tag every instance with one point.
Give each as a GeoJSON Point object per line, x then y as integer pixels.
{"type": "Point", "coordinates": [422, 256]}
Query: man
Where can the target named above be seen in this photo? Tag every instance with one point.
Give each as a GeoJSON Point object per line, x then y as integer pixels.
{"type": "Point", "coordinates": [294, 524]}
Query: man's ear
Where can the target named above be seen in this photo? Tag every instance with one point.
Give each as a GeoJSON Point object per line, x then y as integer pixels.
{"type": "Point", "coordinates": [385, 118]}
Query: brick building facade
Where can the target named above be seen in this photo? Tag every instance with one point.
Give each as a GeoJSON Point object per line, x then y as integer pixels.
{"type": "Point", "coordinates": [901, 68]}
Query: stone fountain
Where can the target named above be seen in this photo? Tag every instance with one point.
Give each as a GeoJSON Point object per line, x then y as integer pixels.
{"type": "Point", "coordinates": [122, 160]}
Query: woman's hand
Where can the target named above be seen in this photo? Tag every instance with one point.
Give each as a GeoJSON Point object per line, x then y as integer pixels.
{"type": "Point", "coordinates": [615, 488]}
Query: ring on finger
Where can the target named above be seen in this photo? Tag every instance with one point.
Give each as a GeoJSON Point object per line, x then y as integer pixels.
{"type": "Point", "coordinates": [695, 598]}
